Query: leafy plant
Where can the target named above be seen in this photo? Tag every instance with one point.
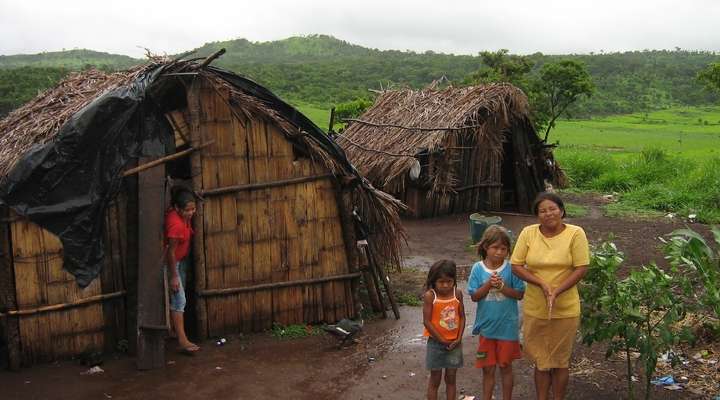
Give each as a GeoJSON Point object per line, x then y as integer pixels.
{"type": "Point", "coordinates": [293, 331]}
{"type": "Point", "coordinates": [409, 299]}
{"type": "Point", "coordinates": [688, 252]}
{"type": "Point", "coordinates": [640, 313]}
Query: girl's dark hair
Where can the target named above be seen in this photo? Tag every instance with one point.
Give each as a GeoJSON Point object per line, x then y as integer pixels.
{"type": "Point", "coordinates": [181, 196]}
{"type": "Point", "coordinates": [441, 268]}
{"type": "Point", "coordinates": [548, 196]}
{"type": "Point", "coordinates": [493, 234]}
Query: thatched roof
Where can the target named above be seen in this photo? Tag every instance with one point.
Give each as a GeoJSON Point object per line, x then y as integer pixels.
{"type": "Point", "coordinates": [42, 122]}
{"type": "Point", "coordinates": [383, 143]}
{"type": "Point", "coordinates": [39, 120]}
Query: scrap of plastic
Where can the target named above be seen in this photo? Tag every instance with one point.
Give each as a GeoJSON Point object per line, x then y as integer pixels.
{"type": "Point", "coordinates": [663, 380]}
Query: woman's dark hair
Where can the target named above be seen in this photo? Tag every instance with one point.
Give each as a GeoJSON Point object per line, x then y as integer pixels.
{"type": "Point", "coordinates": [439, 269]}
{"type": "Point", "coordinates": [181, 196]}
{"type": "Point", "coordinates": [493, 234]}
{"type": "Point", "coordinates": [548, 196]}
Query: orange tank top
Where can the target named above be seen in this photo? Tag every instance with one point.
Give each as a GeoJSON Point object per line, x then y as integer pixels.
{"type": "Point", "coordinates": [445, 317]}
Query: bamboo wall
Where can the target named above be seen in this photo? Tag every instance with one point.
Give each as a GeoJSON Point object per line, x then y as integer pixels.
{"type": "Point", "coordinates": [51, 323]}
{"type": "Point", "coordinates": [263, 236]}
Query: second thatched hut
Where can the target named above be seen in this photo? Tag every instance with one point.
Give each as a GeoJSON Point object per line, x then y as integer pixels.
{"type": "Point", "coordinates": [444, 151]}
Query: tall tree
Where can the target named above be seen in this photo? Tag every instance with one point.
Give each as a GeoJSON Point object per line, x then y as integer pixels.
{"type": "Point", "coordinates": [557, 86]}
{"type": "Point", "coordinates": [500, 66]}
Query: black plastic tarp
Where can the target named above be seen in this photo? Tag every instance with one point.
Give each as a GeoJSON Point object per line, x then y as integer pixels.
{"type": "Point", "coordinates": [66, 184]}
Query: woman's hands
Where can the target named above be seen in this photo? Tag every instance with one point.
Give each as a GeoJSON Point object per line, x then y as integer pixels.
{"type": "Point", "coordinates": [550, 296]}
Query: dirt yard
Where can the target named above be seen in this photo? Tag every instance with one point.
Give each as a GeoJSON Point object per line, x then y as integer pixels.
{"type": "Point", "coordinates": [387, 363]}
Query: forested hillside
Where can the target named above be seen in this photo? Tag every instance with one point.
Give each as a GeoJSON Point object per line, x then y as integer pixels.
{"type": "Point", "coordinates": [323, 71]}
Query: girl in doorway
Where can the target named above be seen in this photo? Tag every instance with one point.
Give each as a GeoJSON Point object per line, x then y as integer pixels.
{"type": "Point", "coordinates": [178, 231]}
{"type": "Point", "coordinates": [496, 290]}
{"type": "Point", "coordinates": [444, 321]}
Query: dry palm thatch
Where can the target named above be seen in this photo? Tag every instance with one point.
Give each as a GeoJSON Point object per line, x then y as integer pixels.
{"type": "Point", "coordinates": [385, 142]}
{"type": "Point", "coordinates": [39, 121]}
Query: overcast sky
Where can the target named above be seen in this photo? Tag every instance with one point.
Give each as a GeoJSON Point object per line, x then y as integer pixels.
{"type": "Point", "coordinates": [460, 27]}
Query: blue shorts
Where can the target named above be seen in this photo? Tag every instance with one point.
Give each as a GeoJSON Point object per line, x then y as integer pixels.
{"type": "Point", "coordinates": [177, 299]}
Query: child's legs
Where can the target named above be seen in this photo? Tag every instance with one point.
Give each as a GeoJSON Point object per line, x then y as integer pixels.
{"type": "Point", "coordinates": [506, 374]}
{"type": "Point", "coordinates": [434, 384]}
{"type": "Point", "coordinates": [450, 385]}
{"type": "Point", "coordinates": [507, 351]}
{"type": "Point", "coordinates": [488, 382]}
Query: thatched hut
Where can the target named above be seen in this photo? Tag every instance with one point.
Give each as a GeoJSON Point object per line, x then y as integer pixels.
{"type": "Point", "coordinates": [84, 171]}
{"type": "Point", "coordinates": [452, 150]}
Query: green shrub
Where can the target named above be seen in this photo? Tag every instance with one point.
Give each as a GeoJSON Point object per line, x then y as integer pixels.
{"type": "Point", "coordinates": [582, 167]}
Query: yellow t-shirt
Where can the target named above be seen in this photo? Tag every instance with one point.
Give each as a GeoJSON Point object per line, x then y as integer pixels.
{"type": "Point", "coordinates": [553, 260]}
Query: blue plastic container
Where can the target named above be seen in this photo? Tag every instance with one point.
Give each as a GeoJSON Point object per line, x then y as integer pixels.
{"type": "Point", "coordinates": [478, 224]}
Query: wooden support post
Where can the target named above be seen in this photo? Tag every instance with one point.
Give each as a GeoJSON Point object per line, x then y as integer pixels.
{"type": "Point", "coordinates": [198, 241]}
{"type": "Point", "coordinates": [9, 326]}
{"type": "Point", "coordinates": [344, 201]}
{"type": "Point", "coordinates": [375, 278]}
{"type": "Point", "coordinates": [151, 289]}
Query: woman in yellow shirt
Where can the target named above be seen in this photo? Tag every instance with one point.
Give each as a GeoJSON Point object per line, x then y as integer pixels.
{"type": "Point", "coordinates": [552, 257]}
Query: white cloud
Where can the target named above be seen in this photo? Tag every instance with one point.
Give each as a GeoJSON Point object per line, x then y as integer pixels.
{"type": "Point", "coordinates": [523, 26]}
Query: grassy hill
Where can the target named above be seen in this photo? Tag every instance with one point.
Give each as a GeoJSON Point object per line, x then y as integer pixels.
{"type": "Point", "coordinates": [319, 71]}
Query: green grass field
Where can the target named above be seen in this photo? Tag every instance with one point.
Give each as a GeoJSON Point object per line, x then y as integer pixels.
{"type": "Point", "coordinates": [688, 132]}
{"type": "Point", "coordinates": [320, 116]}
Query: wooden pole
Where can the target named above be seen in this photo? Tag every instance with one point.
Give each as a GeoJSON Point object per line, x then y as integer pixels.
{"type": "Point", "coordinates": [151, 296]}
{"type": "Point", "coordinates": [385, 280]}
{"type": "Point", "coordinates": [263, 185]}
{"type": "Point", "coordinates": [165, 159]}
{"type": "Point", "coordinates": [375, 280]}
{"type": "Point", "coordinates": [276, 285]}
{"type": "Point", "coordinates": [198, 243]}
{"type": "Point", "coordinates": [63, 306]}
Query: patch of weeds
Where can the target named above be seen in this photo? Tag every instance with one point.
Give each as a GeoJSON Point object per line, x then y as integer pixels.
{"type": "Point", "coordinates": [408, 299]}
{"type": "Point", "coordinates": [576, 210]}
{"type": "Point", "coordinates": [623, 210]}
{"type": "Point", "coordinates": [294, 331]}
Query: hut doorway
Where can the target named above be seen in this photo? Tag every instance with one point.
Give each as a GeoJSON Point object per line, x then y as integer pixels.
{"type": "Point", "coordinates": [179, 172]}
{"type": "Point", "coordinates": [507, 174]}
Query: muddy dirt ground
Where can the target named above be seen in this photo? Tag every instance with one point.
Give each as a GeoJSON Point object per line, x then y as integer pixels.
{"type": "Point", "coordinates": [388, 361]}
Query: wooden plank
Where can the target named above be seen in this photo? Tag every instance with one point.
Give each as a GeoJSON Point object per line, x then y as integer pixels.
{"type": "Point", "coordinates": [131, 271]}
{"type": "Point", "coordinates": [151, 289]}
{"type": "Point", "coordinates": [9, 326]}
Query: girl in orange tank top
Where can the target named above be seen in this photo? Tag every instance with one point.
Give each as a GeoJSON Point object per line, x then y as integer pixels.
{"type": "Point", "coordinates": [444, 321]}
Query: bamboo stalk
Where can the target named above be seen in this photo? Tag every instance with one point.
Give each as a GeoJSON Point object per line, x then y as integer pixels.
{"type": "Point", "coordinates": [263, 185]}
{"type": "Point", "coordinates": [63, 306]}
{"type": "Point", "coordinates": [265, 286]}
{"type": "Point", "coordinates": [478, 185]}
{"type": "Point", "coordinates": [165, 159]}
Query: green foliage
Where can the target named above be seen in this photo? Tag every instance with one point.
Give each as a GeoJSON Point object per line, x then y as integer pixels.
{"type": "Point", "coordinates": [640, 313]}
{"type": "Point", "coordinates": [294, 331]}
{"type": "Point", "coordinates": [501, 66]}
{"type": "Point", "coordinates": [351, 109]}
{"type": "Point", "coordinates": [408, 299]}
{"type": "Point", "coordinates": [557, 87]}
{"type": "Point", "coordinates": [575, 210]}
{"type": "Point", "coordinates": [20, 85]}
{"type": "Point", "coordinates": [688, 251]}
{"type": "Point", "coordinates": [710, 76]}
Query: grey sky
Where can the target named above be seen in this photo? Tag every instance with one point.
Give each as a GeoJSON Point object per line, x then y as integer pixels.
{"type": "Point", "coordinates": [460, 27]}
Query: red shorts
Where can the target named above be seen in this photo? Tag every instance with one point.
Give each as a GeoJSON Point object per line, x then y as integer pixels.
{"type": "Point", "coordinates": [496, 352]}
